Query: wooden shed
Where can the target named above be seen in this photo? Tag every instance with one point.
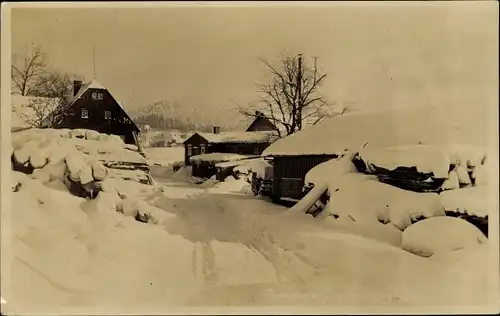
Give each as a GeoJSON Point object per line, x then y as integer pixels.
{"type": "Point", "coordinates": [289, 173]}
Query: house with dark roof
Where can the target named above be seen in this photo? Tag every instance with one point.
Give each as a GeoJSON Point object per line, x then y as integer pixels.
{"type": "Point", "coordinates": [93, 107]}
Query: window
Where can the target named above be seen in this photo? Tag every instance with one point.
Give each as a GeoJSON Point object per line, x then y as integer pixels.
{"type": "Point", "coordinates": [97, 96]}
{"type": "Point", "coordinates": [107, 115]}
{"type": "Point", "coordinates": [190, 150]}
{"type": "Point", "coordinates": [256, 151]}
{"type": "Point", "coordinates": [202, 149]}
{"type": "Point", "coordinates": [85, 113]}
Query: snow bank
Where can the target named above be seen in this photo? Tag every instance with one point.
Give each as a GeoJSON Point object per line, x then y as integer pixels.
{"type": "Point", "coordinates": [217, 157]}
{"type": "Point", "coordinates": [475, 201]}
{"type": "Point", "coordinates": [231, 186]}
{"type": "Point", "coordinates": [71, 253]}
{"type": "Point", "coordinates": [126, 188]}
{"type": "Point", "coordinates": [386, 233]}
{"type": "Point", "coordinates": [440, 234]}
{"type": "Point", "coordinates": [183, 174]}
{"type": "Point", "coordinates": [362, 197]}
{"type": "Point", "coordinates": [386, 128]}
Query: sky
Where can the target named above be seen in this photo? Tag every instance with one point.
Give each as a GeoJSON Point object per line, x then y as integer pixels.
{"type": "Point", "coordinates": [375, 54]}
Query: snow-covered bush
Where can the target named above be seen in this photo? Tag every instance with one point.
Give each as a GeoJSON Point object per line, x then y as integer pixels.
{"type": "Point", "coordinates": [440, 234]}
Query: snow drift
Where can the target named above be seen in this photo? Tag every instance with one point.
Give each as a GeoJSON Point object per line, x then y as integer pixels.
{"type": "Point", "coordinates": [440, 234]}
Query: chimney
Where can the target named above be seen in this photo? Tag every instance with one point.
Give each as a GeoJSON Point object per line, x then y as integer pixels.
{"type": "Point", "coordinates": [216, 129]}
{"type": "Point", "coordinates": [77, 84]}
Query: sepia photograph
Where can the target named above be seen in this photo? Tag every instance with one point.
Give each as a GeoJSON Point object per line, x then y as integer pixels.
{"type": "Point", "coordinates": [249, 157]}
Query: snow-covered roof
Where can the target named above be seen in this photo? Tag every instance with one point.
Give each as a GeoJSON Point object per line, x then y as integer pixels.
{"type": "Point", "coordinates": [219, 157]}
{"type": "Point", "coordinates": [239, 137]}
{"type": "Point", "coordinates": [233, 163]}
{"type": "Point", "coordinates": [383, 128]}
{"type": "Point", "coordinates": [94, 84]}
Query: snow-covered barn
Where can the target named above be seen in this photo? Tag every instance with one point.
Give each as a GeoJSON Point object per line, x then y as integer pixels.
{"type": "Point", "coordinates": [293, 156]}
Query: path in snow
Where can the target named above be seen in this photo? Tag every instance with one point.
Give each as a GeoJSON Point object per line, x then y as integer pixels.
{"type": "Point", "coordinates": [283, 258]}
{"type": "Point", "coordinates": [247, 222]}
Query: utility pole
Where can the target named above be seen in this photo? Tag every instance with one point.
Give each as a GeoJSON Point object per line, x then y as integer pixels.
{"type": "Point", "coordinates": [299, 93]}
{"type": "Point", "coordinates": [93, 57]}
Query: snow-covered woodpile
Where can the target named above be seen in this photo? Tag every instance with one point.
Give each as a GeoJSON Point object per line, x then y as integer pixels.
{"type": "Point", "coordinates": [425, 168]}
{"type": "Point", "coordinates": [404, 185]}
{"type": "Point", "coordinates": [78, 158]}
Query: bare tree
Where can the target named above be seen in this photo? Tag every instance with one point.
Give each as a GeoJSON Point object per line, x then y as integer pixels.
{"type": "Point", "coordinates": [39, 112]}
{"type": "Point", "coordinates": [291, 99]}
{"type": "Point", "coordinates": [49, 90]}
{"type": "Point", "coordinates": [54, 84]}
{"type": "Point", "coordinates": [48, 99]}
{"type": "Point", "coordinates": [27, 69]}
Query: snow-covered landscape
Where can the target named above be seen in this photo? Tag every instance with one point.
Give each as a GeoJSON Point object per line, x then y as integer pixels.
{"type": "Point", "coordinates": [230, 247]}
{"type": "Point", "coordinates": [398, 207]}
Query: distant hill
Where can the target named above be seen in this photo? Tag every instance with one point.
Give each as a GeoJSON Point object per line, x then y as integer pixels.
{"type": "Point", "coordinates": [167, 114]}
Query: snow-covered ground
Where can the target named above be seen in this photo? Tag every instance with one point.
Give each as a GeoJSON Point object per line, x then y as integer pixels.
{"type": "Point", "coordinates": [221, 249]}
{"type": "Point", "coordinates": [215, 244]}
{"type": "Point", "coordinates": [164, 156]}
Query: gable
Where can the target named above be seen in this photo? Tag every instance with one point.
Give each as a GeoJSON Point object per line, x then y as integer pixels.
{"type": "Point", "coordinates": [261, 124]}
{"type": "Point", "coordinates": [108, 102]}
{"type": "Point", "coordinates": [83, 98]}
{"type": "Point", "coordinates": [195, 139]}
